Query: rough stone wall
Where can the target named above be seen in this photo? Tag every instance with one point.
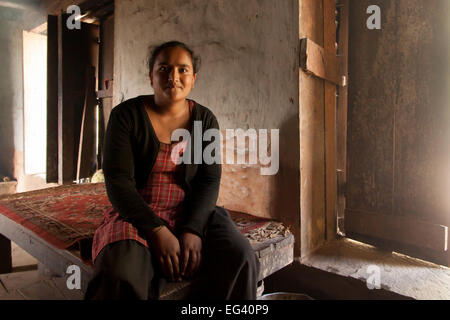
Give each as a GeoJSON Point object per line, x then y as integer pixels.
{"type": "Point", "coordinates": [249, 73]}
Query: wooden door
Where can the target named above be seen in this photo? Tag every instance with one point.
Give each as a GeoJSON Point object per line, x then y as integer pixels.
{"type": "Point", "coordinates": [398, 151]}
{"type": "Point", "coordinates": [72, 55]}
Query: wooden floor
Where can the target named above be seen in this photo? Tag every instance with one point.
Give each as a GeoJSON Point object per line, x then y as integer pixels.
{"type": "Point", "coordinates": [31, 285]}
{"type": "Point", "coordinates": [27, 283]}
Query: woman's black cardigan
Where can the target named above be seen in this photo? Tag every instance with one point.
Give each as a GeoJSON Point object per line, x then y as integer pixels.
{"type": "Point", "coordinates": [130, 151]}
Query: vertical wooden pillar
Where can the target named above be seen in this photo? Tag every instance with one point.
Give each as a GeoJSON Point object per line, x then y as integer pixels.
{"type": "Point", "coordinates": [87, 151]}
{"type": "Point", "coordinates": [312, 136]}
{"type": "Point", "coordinates": [77, 50]}
{"type": "Point", "coordinates": [341, 117]}
{"type": "Point", "coordinates": [5, 255]}
{"type": "Point", "coordinates": [52, 99]}
{"type": "Point", "coordinates": [329, 41]}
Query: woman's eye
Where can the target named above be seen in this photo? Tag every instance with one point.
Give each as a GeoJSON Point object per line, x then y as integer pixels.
{"type": "Point", "coordinates": [162, 68]}
{"type": "Point", "coordinates": [183, 70]}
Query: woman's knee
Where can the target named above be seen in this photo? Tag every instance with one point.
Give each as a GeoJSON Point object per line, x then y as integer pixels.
{"type": "Point", "coordinates": [125, 261]}
{"type": "Point", "coordinates": [244, 253]}
{"type": "Point", "coordinates": [222, 211]}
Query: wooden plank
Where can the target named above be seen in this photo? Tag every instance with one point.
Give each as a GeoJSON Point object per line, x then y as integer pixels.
{"type": "Point", "coordinates": [60, 101]}
{"type": "Point", "coordinates": [320, 62]}
{"type": "Point", "coordinates": [371, 113]}
{"type": "Point", "coordinates": [86, 152]}
{"type": "Point", "coordinates": [56, 260]}
{"type": "Point", "coordinates": [401, 229]}
{"type": "Point", "coordinates": [77, 50]}
{"type": "Point", "coordinates": [398, 155]}
{"type": "Point", "coordinates": [341, 116]}
{"type": "Point", "coordinates": [106, 78]}
{"type": "Point", "coordinates": [52, 99]}
{"type": "Point", "coordinates": [5, 255]}
{"type": "Point", "coordinates": [312, 153]}
{"type": "Point", "coordinates": [280, 255]}
{"type": "Point", "coordinates": [421, 113]}
{"type": "Point", "coordinates": [329, 20]}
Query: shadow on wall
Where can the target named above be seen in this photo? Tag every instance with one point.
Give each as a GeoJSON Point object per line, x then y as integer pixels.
{"type": "Point", "coordinates": [285, 204]}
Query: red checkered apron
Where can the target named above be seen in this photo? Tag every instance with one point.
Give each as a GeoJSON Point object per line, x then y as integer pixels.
{"type": "Point", "coordinates": [163, 193]}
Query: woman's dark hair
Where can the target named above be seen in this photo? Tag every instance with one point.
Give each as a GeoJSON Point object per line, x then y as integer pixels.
{"type": "Point", "coordinates": [155, 51]}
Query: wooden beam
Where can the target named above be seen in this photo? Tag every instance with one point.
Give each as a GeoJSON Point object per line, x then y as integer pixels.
{"type": "Point", "coordinates": [57, 260]}
{"type": "Point", "coordinates": [329, 30]}
{"type": "Point", "coordinates": [320, 62]}
{"type": "Point", "coordinates": [341, 113]}
{"type": "Point", "coordinates": [397, 228]}
{"type": "Point", "coordinates": [86, 147]}
{"type": "Point", "coordinates": [52, 99]}
{"type": "Point", "coordinates": [312, 137]}
{"type": "Point", "coordinates": [77, 50]}
{"type": "Point", "coordinates": [5, 255]}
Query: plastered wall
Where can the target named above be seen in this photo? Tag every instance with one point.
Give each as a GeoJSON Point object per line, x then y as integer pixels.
{"type": "Point", "coordinates": [11, 98]}
{"type": "Point", "coordinates": [12, 24]}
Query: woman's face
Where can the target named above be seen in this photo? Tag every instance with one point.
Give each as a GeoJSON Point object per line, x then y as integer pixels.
{"type": "Point", "coordinates": [173, 75]}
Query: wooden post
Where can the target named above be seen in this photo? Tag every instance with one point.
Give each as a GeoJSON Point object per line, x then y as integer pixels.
{"type": "Point", "coordinates": [5, 255]}
{"type": "Point", "coordinates": [77, 49]}
{"type": "Point", "coordinates": [52, 99]}
{"type": "Point", "coordinates": [329, 31]}
{"type": "Point", "coordinates": [86, 148]}
{"type": "Point", "coordinates": [341, 117]}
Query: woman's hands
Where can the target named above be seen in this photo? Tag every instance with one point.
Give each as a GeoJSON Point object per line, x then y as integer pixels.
{"type": "Point", "coordinates": [168, 250]}
{"type": "Point", "coordinates": [191, 248]}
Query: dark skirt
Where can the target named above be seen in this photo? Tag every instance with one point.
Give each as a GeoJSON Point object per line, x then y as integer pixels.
{"type": "Point", "coordinates": [230, 268]}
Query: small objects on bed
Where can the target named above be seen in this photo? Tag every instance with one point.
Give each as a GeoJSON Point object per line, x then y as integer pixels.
{"type": "Point", "coordinates": [271, 230]}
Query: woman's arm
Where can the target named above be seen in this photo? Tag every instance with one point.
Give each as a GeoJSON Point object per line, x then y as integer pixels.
{"type": "Point", "coordinates": [204, 192]}
{"type": "Point", "coordinates": [118, 167]}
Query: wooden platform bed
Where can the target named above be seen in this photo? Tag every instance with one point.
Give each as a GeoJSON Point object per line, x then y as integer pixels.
{"type": "Point", "coordinates": [47, 224]}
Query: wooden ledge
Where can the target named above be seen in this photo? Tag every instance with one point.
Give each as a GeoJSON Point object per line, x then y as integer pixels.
{"type": "Point", "coordinates": [320, 62]}
{"type": "Point", "coordinates": [400, 274]}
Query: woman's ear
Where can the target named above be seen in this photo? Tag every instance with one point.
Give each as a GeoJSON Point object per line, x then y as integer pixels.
{"type": "Point", "coordinates": [150, 75]}
{"type": "Point", "coordinates": [193, 82]}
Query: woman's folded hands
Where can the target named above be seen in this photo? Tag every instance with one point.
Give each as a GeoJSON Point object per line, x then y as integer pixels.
{"type": "Point", "coordinates": [177, 258]}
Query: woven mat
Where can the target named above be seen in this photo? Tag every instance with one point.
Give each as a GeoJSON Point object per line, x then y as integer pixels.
{"type": "Point", "coordinates": [67, 216]}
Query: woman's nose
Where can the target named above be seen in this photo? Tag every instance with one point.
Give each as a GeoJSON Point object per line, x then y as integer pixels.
{"type": "Point", "coordinates": [173, 75]}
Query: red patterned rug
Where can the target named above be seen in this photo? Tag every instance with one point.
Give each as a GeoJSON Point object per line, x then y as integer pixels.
{"type": "Point", "coordinates": [67, 216]}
